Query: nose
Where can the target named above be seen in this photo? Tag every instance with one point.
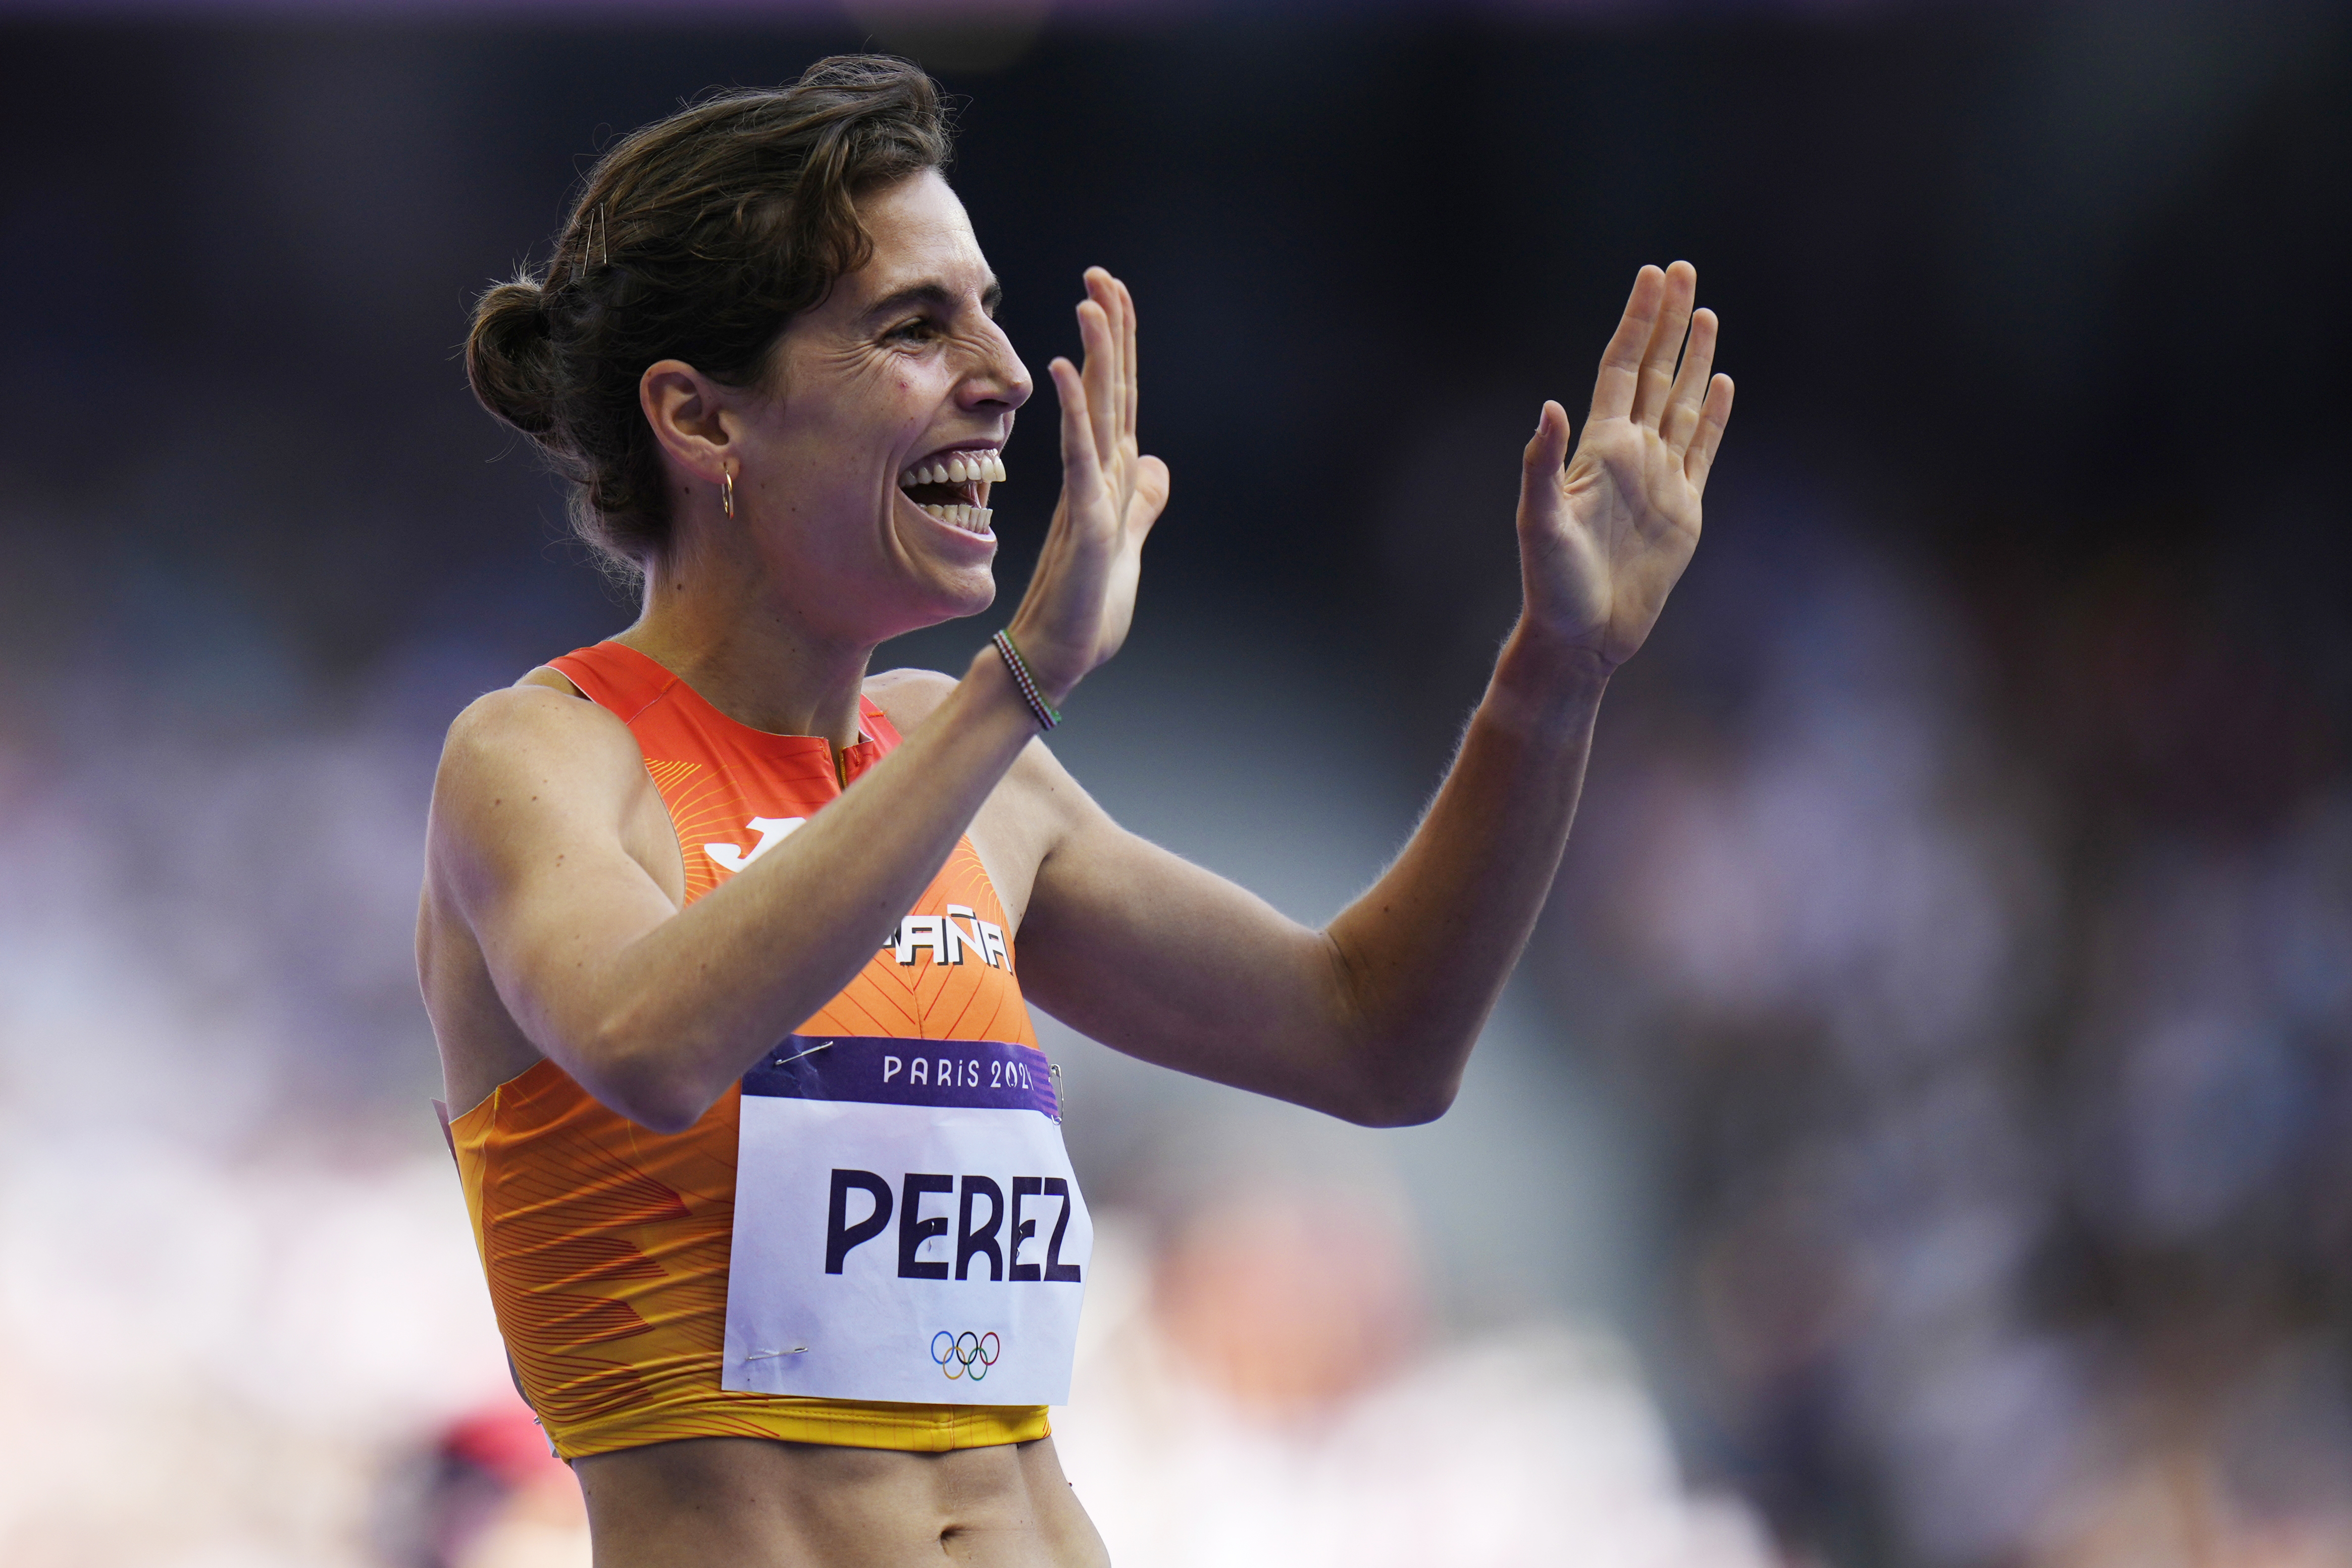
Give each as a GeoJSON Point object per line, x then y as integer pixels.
{"type": "Point", "coordinates": [999, 380]}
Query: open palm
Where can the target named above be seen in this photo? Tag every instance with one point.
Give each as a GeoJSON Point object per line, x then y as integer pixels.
{"type": "Point", "coordinates": [1604, 537]}
{"type": "Point", "coordinates": [1081, 598]}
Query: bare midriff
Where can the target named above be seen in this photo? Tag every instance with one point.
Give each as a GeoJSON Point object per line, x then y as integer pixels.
{"type": "Point", "coordinates": [706, 1502]}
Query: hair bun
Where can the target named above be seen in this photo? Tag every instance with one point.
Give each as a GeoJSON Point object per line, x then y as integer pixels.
{"type": "Point", "coordinates": [509, 357]}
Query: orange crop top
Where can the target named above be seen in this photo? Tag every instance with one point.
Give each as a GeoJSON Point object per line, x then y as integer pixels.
{"type": "Point", "coordinates": [607, 1245]}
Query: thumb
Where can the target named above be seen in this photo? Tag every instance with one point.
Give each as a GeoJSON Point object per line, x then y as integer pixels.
{"type": "Point", "coordinates": [1151, 494]}
{"type": "Point", "coordinates": [1547, 451]}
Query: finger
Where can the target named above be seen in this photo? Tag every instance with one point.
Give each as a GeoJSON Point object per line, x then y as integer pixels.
{"type": "Point", "coordinates": [1116, 307]}
{"type": "Point", "coordinates": [1081, 469]}
{"type": "Point", "coordinates": [1127, 301]}
{"type": "Point", "coordinates": [1655, 384]}
{"type": "Point", "coordinates": [1547, 452]}
{"type": "Point", "coordinates": [1620, 361]}
{"type": "Point", "coordinates": [1095, 332]}
{"type": "Point", "coordinates": [1713, 416]}
{"type": "Point", "coordinates": [1103, 290]}
{"type": "Point", "coordinates": [1691, 385]}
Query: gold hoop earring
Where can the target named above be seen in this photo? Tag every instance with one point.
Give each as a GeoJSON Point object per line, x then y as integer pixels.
{"type": "Point", "coordinates": [727, 494]}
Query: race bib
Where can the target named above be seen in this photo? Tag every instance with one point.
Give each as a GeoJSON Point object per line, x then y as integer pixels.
{"type": "Point", "coordinates": [907, 1226]}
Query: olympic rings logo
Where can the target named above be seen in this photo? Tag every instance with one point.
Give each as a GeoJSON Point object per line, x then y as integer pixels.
{"type": "Point", "coordinates": [965, 1354]}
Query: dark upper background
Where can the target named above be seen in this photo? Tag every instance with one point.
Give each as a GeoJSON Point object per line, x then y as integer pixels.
{"type": "Point", "coordinates": [2052, 282]}
{"type": "Point", "coordinates": [2038, 315]}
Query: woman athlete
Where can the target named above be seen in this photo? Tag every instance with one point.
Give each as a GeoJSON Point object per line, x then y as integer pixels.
{"type": "Point", "coordinates": [719, 931]}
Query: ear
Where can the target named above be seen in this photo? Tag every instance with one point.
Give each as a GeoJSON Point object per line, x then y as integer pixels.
{"type": "Point", "coordinates": [691, 417]}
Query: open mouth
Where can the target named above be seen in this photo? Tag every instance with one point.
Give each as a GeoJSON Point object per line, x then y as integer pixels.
{"type": "Point", "coordinates": [951, 485]}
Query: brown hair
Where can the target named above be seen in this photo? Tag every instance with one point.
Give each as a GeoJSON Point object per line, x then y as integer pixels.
{"type": "Point", "coordinates": [697, 237]}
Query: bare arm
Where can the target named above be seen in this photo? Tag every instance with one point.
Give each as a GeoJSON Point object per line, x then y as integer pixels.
{"type": "Point", "coordinates": [1373, 1018]}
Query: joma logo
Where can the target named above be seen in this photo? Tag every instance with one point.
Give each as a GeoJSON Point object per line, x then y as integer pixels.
{"type": "Point", "coordinates": [772, 831]}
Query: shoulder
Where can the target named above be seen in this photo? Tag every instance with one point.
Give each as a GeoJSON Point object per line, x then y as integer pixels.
{"type": "Point", "coordinates": [531, 716]}
{"type": "Point", "coordinates": [1038, 801]}
{"type": "Point", "coordinates": [908, 696]}
{"type": "Point", "coordinates": [538, 742]}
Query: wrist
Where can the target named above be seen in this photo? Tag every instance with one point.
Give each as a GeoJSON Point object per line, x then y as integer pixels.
{"type": "Point", "coordinates": [1542, 683]}
{"type": "Point", "coordinates": [1024, 680]}
{"type": "Point", "coordinates": [988, 685]}
{"type": "Point", "coordinates": [1041, 651]}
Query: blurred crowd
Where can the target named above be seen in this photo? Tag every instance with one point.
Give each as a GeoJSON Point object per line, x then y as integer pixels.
{"type": "Point", "coordinates": [1985, 969]}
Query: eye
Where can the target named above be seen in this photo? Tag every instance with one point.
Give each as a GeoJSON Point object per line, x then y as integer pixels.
{"type": "Point", "coordinates": [919, 329]}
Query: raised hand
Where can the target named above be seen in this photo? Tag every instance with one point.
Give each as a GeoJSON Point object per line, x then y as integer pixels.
{"type": "Point", "coordinates": [1081, 598]}
{"type": "Point", "coordinates": [1604, 538]}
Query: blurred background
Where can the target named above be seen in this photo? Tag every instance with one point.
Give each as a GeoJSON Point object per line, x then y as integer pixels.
{"type": "Point", "coordinates": [1921, 1131]}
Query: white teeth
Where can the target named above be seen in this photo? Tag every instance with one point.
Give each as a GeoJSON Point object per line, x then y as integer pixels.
{"type": "Point", "coordinates": [971, 519]}
{"type": "Point", "coordinates": [960, 468]}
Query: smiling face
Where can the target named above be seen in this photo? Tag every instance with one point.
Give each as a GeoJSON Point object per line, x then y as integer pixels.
{"type": "Point", "coordinates": [864, 480]}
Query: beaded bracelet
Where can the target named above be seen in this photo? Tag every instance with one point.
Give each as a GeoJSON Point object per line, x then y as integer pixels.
{"type": "Point", "coordinates": [1027, 684]}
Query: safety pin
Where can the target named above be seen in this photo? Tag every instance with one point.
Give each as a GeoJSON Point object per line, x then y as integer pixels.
{"type": "Point", "coordinates": [772, 1354]}
{"type": "Point", "coordinates": [788, 1061]}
